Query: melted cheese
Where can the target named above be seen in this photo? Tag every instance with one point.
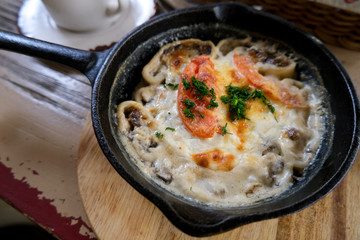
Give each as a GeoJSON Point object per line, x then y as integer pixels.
{"type": "Point", "coordinates": [252, 162]}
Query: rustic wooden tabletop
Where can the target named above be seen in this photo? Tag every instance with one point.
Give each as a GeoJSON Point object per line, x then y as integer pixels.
{"type": "Point", "coordinates": [43, 109]}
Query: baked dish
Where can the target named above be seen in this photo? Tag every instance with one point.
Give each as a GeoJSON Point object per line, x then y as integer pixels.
{"type": "Point", "coordinates": [227, 125]}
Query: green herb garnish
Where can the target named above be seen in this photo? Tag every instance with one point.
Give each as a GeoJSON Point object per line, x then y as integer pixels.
{"type": "Point", "coordinates": [201, 89]}
{"type": "Point", "coordinates": [212, 104]}
{"type": "Point", "coordinates": [237, 98]}
{"type": "Point", "coordinates": [188, 113]}
{"type": "Point", "coordinates": [224, 131]}
{"type": "Point", "coordinates": [174, 86]}
{"type": "Point", "coordinates": [200, 115]}
{"type": "Point", "coordinates": [260, 94]}
{"type": "Point", "coordinates": [159, 135]}
{"type": "Point", "coordinates": [170, 128]}
{"type": "Point", "coordinates": [187, 84]}
{"type": "Point", "coordinates": [188, 103]}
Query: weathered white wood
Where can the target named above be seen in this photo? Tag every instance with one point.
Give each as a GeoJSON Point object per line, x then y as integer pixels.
{"type": "Point", "coordinates": [43, 106]}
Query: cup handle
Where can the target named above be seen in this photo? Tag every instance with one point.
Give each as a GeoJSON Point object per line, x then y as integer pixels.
{"type": "Point", "coordinates": [110, 11]}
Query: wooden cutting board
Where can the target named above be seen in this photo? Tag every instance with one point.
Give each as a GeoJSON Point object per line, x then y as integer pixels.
{"type": "Point", "coordinates": [116, 211]}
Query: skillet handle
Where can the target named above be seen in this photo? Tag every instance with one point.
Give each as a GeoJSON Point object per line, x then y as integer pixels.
{"type": "Point", "coordinates": [87, 62]}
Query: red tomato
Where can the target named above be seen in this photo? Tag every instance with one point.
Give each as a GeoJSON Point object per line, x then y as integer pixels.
{"type": "Point", "coordinates": [272, 88]}
{"type": "Point", "coordinates": [204, 122]}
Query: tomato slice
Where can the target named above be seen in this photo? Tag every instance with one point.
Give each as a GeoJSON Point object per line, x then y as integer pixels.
{"type": "Point", "coordinates": [272, 88]}
{"type": "Point", "coordinates": [204, 122]}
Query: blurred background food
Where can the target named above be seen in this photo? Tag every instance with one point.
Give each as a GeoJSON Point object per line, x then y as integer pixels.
{"type": "Point", "coordinates": [335, 22]}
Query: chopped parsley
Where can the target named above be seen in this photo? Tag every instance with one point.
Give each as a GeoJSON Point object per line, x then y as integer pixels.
{"type": "Point", "coordinates": [187, 84]}
{"type": "Point", "coordinates": [212, 104]}
{"type": "Point", "coordinates": [188, 113]}
{"type": "Point", "coordinates": [159, 135]}
{"type": "Point", "coordinates": [237, 98]}
{"type": "Point", "coordinates": [170, 128]}
{"type": "Point", "coordinates": [201, 90]}
{"type": "Point", "coordinates": [173, 86]}
{"type": "Point", "coordinates": [260, 94]}
{"type": "Point", "coordinates": [200, 115]}
{"type": "Point", "coordinates": [224, 131]}
{"type": "Point", "coordinates": [188, 103]}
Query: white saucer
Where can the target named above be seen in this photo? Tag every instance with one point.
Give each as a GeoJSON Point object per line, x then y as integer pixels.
{"type": "Point", "coordinates": [34, 21]}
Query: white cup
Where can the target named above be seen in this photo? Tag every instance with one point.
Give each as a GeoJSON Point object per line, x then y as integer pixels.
{"type": "Point", "coordinates": [83, 15]}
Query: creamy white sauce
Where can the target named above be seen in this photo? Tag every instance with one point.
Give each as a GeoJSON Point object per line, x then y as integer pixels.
{"type": "Point", "coordinates": [263, 165]}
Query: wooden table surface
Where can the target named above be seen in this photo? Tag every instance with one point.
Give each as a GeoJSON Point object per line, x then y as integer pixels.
{"type": "Point", "coordinates": [42, 112]}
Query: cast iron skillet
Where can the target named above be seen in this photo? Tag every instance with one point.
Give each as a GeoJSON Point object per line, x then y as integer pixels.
{"type": "Point", "coordinates": [115, 72]}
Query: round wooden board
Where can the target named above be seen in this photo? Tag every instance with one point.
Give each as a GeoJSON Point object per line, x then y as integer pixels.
{"type": "Point", "coordinates": [117, 211]}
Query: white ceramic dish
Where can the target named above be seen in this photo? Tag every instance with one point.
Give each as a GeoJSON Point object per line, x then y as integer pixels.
{"type": "Point", "coordinates": [34, 21]}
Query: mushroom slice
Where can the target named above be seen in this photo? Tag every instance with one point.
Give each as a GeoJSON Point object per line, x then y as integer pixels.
{"type": "Point", "coordinates": [271, 62]}
{"type": "Point", "coordinates": [173, 57]}
{"type": "Point", "coordinates": [227, 45]}
{"type": "Point", "coordinates": [145, 94]}
{"type": "Point", "coordinates": [138, 130]}
{"type": "Point", "coordinates": [133, 115]}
